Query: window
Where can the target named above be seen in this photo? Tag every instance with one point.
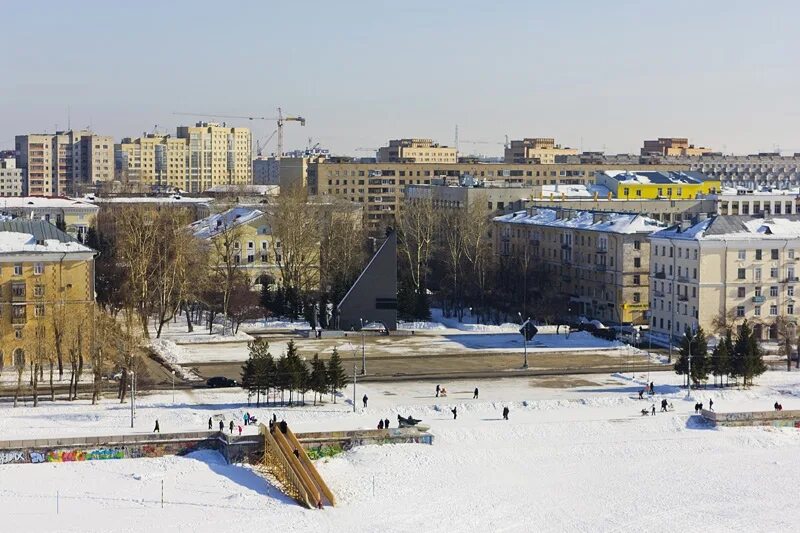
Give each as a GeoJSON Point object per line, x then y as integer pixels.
{"type": "Point", "coordinates": [740, 292]}
{"type": "Point", "coordinates": [636, 280]}
{"type": "Point", "coordinates": [773, 291]}
{"type": "Point", "coordinates": [774, 253]}
{"type": "Point", "coordinates": [757, 310]}
{"type": "Point", "coordinates": [18, 269]}
{"type": "Point", "coordinates": [758, 291]}
{"type": "Point", "coordinates": [740, 274]}
{"type": "Point", "coordinates": [773, 272]}
{"type": "Point", "coordinates": [758, 255]}
{"type": "Point", "coordinates": [740, 311]}
{"type": "Point", "coordinates": [38, 269]}
{"type": "Point", "coordinates": [757, 274]}
{"type": "Point", "coordinates": [742, 255]}
{"type": "Point", "coordinates": [637, 297]}
{"type": "Point", "coordinates": [773, 310]}
{"type": "Point", "coordinates": [38, 291]}
{"type": "Point", "coordinates": [790, 273]}
{"type": "Point", "coordinates": [18, 333]}
{"type": "Point", "coordinates": [790, 290]}
{"type": "Point", "coordinates": [637, 245]}
{"type": "Point", "coordinates": [637, 262]}
{"type": "Point", "coordinates": [790, 254]}
{"type": "Point", "coordinates": [790, 309]}
{"type": "Point", "coordinates": [38, 310]}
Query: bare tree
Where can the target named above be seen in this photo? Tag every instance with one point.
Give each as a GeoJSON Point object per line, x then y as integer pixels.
{"type": "Point", "coordinates": [174, 252]}
{"type": "Point", "coordinates": [415, 232]}
{"type": "Point", "coordinates": [225, 263]}
{"type": "Point", "coordinates": [342, 251]}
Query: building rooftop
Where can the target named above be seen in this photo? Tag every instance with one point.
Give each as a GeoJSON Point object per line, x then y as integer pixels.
{"type": "Point", "coordinates": [16, 202]}
{"type": "Point", "coordinates": [24, 235]}
{"type": "Point", "coordinates": [736, 227]}
{"type": "Point", "coordinates": [739, 191]}
{"type": "Point", "coordinates": [658, 177]}
{"type": "Point", "coordinates": [585, 220]}
{"type": "Point", "coordinates": [208, 227]}
{"type": "Point", "coordinates": [171, 199]}
{"type": "Point", "coordinates": [576, 191]}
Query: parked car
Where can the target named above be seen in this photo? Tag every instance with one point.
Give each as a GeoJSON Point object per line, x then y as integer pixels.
{"type": "Point", "coordinates": [220, 381]}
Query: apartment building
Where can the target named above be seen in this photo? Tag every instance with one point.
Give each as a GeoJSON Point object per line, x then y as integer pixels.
{"type": "Point", "coordinates": [65, 162]}
{"type": "Point", "coordinates": [740, 201]}
{"type": "Point", "coordinates": [216, 155]}
{"type": "Point", "coordinates": [11, 178]}
{"type": "Point", "coordinates": [75, 215]}
{"type": "Point", "coordinates": [537, 150]}
{"type": "Point", "coordinates": [153, 160]}
{"type": "Point", "coordinates": [41, 267]}
{"type": "Point", "coordinates": [649, 184]}
{"type": "Point", "coordinates": [737, 267]}
{"type": "Point", "coordinates": [499, 198]}
{"type": "Point", "coordinates": [380, 187]}
{"type": "Point", "coordinates": [597, 261]}
{"type": "Point", "coordinates": [673, 146]}
{"type": "Point", "coordinates": [416, 151]}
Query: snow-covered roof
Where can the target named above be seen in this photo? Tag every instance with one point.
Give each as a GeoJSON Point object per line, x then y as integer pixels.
{"type": "Point", "coordinates": [740, 192]}
{"type": "Point", "coordinates": [23, 235]}
{"type": "Point", "coordinates": [34, 202]}
{"type": "Point", "coordinates": [208, 227]}
{"type": "Point", "coordinates": [736, 227]}
{"type": "Point", "coordinates": [657, 177]}
{"type": "Point", "coordinates": [259, 190]}
{"type": "Point", "coordinates": [171, 199]}
{"type": "Point", "coordinates": [576, 191]}
{"type": "Point", "coordinates": [585, 220]}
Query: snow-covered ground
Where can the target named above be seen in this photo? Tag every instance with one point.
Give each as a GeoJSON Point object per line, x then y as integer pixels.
{"type": "Point", "coordinates": [579, 458]}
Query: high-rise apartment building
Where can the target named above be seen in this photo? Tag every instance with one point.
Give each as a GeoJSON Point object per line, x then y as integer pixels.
{"type": "Point", "coordinates": [416, 151]}
{"type": "Point", "coordinates": [65, 162]}
{"type": "Point", "coordinates": [217, 155]}
{"type": "Point", "coordinates": [153, 160]}
{"type": "Point", "coordinates": [536, 150]}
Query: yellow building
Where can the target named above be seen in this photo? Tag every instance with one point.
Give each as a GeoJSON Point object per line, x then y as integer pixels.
{"type": "Point", "coordinates": [650, 184]}
{"type": "Point", "coordinates": [216, 155]}
{"type": "Point", "coordinates": [416, 151]}
{"type": "Point", "coordinates": [539, 150]}
{"type": "Point", "coordinates": [42, 271]}
{"type": "Point", "coordinates": [153, 160]}
{"type": "Point", "coordinates": [673, 146]}
{"type": "Point", "coordinates": [75, 215]}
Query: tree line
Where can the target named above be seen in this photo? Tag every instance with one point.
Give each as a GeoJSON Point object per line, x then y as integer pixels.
{"type": "Point", "coordinates": [263, 374]}
{"type": "Point", "coordinates": [734, 356]}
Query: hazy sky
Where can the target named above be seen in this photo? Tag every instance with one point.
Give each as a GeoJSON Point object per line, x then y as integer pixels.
{"type": "Point", "coordinates": [593, 74]}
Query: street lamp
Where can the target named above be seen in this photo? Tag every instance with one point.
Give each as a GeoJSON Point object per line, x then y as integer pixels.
{"type": "Point", "coordinates": [363, 350]}
{"type": "Point", "coordinates": [524, 339]}
{"type": "Point", "coordinates": [689, 370]}
{"type": "Point", "coordinates": [173, 386]}
{"type": "Point", "coordinates": [133, 394]}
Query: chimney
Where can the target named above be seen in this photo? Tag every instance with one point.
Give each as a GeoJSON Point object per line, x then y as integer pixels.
{"type": "Point", "coordinates": [685, 224]}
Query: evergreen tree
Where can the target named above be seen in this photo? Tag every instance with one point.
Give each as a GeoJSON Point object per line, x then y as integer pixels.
{"type": "Point", "coordinates": [256, 370]}
{"type": "Point", "coordinates": [319, 377]}
{"type": "Point", "coordinates": [748, 360]}
{"type": "Point", "coordinates": [267, 299]}
{"type": "Point", "coordinates": [294, 366]}
{"type": "Point", "coordinates": [283, 378]}
{"type": "Point", "coordinates": [248, 378]}
{"type": "Point", "coordinates": [721, 358]}
{"type": "Point", "coordinates": [696, 344]}
{"type": "Point", "coordinates": [61, 224]}
{"type": "Point", "coordinates": [304, 380]}
{"type": "Point", "coordinates": [336, 374]}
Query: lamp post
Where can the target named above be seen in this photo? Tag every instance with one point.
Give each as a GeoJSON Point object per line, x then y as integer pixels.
{"type": "Point", "coordinates": [689, 370]}
{"type": "Point", "coordinates": [354, 386]}
{"type": "Point", "coordinates": [133, 394]}
{"type": "Point", "coordinates": [524, 339]}
{"type": "Point", "coordinates": [173, 386]}
{"type": "Point", "coordinates": [363, 350]}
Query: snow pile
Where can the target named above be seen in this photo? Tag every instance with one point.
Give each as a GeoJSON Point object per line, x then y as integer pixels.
{"type": "Point", "coordinates": [173, 356]}
{"type": "Point", "coordinates": [251, 326]}
{"type": "Point", "coordinates": [420, 325]}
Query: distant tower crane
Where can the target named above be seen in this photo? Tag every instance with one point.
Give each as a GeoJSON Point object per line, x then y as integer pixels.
{"type": "Point", "coordinates": [280, 119]}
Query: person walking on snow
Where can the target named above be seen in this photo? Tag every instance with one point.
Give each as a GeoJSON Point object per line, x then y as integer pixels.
{"type": "Point", "coordinates": [652, 388]}
{"type": "Point", "coordinates": [664, 405]}
{"type": "Point", "coordinates": [454, 410]}
{"type": "Point", "coordinates": [653, 409]}
{"type": "Point", "coordinates": [246, 418]}
{"type": "Point", "coordinates": [386, 424]}
{"type": "Point", "coordinates": [505, 413]}
{"type": "Point", "coordinates": [209, 423]}
{"type": "Point", "coordinates": [240, 431]}
{"type": "Point", "coordinates": [380, 424]}
{"type": "Point", "coordinates": [364, 399]}
{"type": "Point", "coordinates": [231, 426]}
{"type": "Point", "coordinates": [437, 391]}
{"type": "Point", "coordinates": [156, 429]}
{"type": "Point", "coordinates": [710, 404]}
{"type": "Point", "coordinates": [641, 394]}
{"type": "Point", "coordinates": [475, 394]}
{"type": "Point", "coordinates": [221, 426]}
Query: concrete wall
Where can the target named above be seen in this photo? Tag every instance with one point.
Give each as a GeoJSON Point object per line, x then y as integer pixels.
{"type": "Point", "coordinates": [754, 418]}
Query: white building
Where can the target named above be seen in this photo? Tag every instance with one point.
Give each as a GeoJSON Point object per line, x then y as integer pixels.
{"type": "Point", "coordinates": [11, 178]}
{"type": "Point", "coordinates": [741, 201]}
{"type": "Point", "coordinates": [725, 267]}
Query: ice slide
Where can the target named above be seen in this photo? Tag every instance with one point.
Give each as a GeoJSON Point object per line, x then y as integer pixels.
{"type": "Point", "coordinates": [297, 471]}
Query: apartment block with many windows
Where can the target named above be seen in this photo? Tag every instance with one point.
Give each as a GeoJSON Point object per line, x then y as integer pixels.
{"type": "Point", "coordinates": [725, 268]}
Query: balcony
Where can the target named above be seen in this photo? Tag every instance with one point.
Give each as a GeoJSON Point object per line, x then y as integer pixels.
{"type": "Point", "coordinates": [658, 294]}
{"type": "Point", "coordinates": [661, 275]}
{"type": "Point", "coordinates": [566, 246]}
{"type": "Point", "coordinates": [602, 250]}
{"type": "Point", "coordinates": [18, 292]}
{"type": "Point", "coordinates": [683, 279]}
{"type": "Point", "coordinates": [790, 279]}
{"type": "Point", "coordinates": [600, 267]}
{"type": "Point", "coordinates": [759, 299]}
{"type": "Point", "coordinates": [683, 298]}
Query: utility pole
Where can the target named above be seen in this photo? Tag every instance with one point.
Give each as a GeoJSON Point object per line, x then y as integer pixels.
{"type": "Point", "coordinates": [173, 387]}
{"type": "Point", "coordinates": [354, 386]}
{"type": "Point", "coordinates": [132, 395]}
{"type": "Point", "coordinates": [689, 374]}
{"type": "Point", "coordinates": [363, 350]}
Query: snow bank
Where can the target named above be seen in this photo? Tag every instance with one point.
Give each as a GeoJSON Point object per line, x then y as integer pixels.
{"type": "Point", "coordinates": [173, 356]}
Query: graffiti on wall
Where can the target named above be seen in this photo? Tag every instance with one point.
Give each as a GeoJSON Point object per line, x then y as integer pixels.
{"type": "Point", "coordinates": [64, 456]}
{"type": "Point", "coordinates": [11, 457]}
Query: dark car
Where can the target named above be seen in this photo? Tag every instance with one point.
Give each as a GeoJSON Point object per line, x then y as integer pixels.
{"type": "Point", "coordinates": [221, 381]}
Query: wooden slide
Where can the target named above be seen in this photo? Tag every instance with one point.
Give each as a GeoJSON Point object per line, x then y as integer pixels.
{"type": "Point", "coordinates": [299, 473]}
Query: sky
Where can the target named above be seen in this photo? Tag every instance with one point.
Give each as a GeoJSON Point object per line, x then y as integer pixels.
{"type": "Point", "coordinates": [594, 75]}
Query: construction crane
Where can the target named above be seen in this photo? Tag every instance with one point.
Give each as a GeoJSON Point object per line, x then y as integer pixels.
{"type": "Point", "coordinates": [261, 145]}
{"type": "Point", "coordinates": [280, 119]}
